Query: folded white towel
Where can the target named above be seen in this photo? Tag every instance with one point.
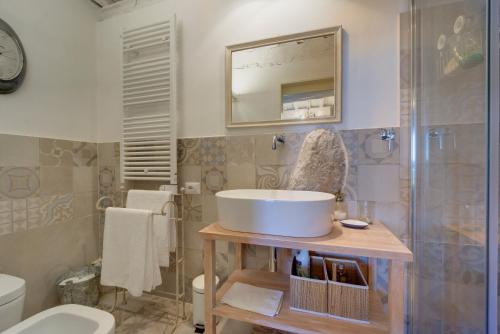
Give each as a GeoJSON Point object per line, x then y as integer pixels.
{"type": "Point", "coordinates": [293, 114]}
{"type": "Point", "coordinates": [301, 104]}
{"type": "Point", "coordinates": [164, 229]}
{"type": "Point", "coordinates": [288, 106]}
{"type": "Point", "coordinates": [317, 103]}
{"type": "Point", "coordinates": [254, 299]}
{"type": "Point", "coordinates": [329, 101]}
{"type": "Point", "coordinates": [321, 112]}
{"type": "Point", "coordinates": [129, 259]}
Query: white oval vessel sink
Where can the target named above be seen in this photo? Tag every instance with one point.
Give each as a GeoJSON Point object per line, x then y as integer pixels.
{"type": "Point", "coordinates": [288, 213]}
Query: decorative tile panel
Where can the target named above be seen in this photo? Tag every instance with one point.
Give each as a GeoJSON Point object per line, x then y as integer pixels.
{"type": "Point", "coordinates": [213, 151]}
{"type": "Point", "coordinates": [19, 182]}
{"type": "Point", "coordinates": [188, 151]}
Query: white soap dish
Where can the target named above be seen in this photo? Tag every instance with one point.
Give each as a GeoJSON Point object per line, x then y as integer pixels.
{"type": "Point", "coordinates": [353, 223]}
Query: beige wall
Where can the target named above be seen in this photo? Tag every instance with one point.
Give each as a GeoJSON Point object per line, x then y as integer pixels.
{"type": "Point", "coordinates": [371, 56]}
{"type": "Point", "coordinates": [57, 98]}
{"type": "Point", "coordinates": [47, 217]}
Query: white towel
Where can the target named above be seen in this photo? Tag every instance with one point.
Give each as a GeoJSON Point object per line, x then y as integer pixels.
{"type": "Point", "coordinates": [129, 258]}
{"type": "Point", "coordinates": [254, 299]}
{"type": "Point", "coordinates": [164, 229]}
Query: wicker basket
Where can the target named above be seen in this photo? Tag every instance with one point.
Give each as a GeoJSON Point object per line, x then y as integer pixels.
{"type": "Point", "coordinates": [309, 294]}
{"type": "Point", "coordinates": [348, 300]}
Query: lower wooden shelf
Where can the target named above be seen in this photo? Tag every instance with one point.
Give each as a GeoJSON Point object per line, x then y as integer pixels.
{"type": "Point", "coordinates": [293, 321]}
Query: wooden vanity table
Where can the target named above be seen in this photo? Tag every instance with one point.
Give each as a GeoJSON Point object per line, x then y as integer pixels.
{"type": "Point", "coordinates": [374, 242]}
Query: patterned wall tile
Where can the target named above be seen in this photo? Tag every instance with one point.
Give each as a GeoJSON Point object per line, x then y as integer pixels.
{"type": "Point", "coordinates": [19, 182]}
{"type": "Point", "coordinates": [56, 209]}
{"type": "Point", "coordinates": [108, 154]}
{"type": "Point", "coordinates": [18, 151]}
{"type": "Point", "coordinates": [213, 178]}
{"type": "Point", "coordinates": [84, 154]}
{"type": "Point", "coordinates": [108, 180]}
{"type": "Point", "coordinates": [192, 208]}
{"type": "Point", "coordinates": [56, 180]}
{"type": "Point", "coordinates": [273, 176]}
{"type": "Point", "coordinates": [213, 151]}
{"type": "Point", "coordinates": [240, 149]}
{"type": "Point", "coordinates": [55, 152]}
{"type": "Point", "coordinates": [189, 173]}
{"type": "Point", "coordinates": [241, 176]}
{"type": "Point", "coordinates": [189, 151]}
{"type": "Point", "coordinates": [375, 151]}
{"type": "Point", "coordinates": [286, 154]}
{"type": "Point", "coordinates": [85, 179]}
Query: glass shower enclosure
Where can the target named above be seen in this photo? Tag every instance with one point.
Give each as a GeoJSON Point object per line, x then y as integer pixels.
{"type": "Point", "coordinates": [451, 156]}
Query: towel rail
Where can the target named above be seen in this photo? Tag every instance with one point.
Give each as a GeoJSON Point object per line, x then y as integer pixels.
{"type": "Point", "coordinates": [177, 218]}
{"type": "Point", "coordinates": [162, 212]}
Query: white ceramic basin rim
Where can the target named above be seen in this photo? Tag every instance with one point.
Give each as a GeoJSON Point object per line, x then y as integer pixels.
{"type": "Point", "coordinates": [277, 212]}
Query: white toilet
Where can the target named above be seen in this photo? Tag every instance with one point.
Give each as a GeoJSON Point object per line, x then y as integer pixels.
{"type": "Point", "coordinates": [75, 319]}
{"type": "Point", "coordinates": [12, 291]}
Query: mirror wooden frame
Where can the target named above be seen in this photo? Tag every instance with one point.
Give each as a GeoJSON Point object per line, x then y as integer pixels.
{"type": "Point", "coordinates": [335, 31]}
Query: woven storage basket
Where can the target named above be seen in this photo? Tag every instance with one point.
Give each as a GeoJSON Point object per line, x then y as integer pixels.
{"type": "Point", "coordinates": [309, 294]}
{"type": "Point", "coordinates": [348, 300]}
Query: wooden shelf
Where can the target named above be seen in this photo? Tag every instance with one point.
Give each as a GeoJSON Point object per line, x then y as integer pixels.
{"type": "Point", "coordinates": [376, 241]}
{"type": "Point", "coordinates": [294, 321]}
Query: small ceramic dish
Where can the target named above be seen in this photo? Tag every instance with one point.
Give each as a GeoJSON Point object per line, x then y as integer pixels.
{"type": "Point", "coordinates": [353, 223]}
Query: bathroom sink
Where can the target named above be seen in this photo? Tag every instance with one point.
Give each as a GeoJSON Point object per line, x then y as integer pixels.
{"type": "Point", "coordinates": [278, 212]}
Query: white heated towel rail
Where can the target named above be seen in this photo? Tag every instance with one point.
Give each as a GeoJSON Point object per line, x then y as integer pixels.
{"type": "Point", "coordinates": [149, 138]}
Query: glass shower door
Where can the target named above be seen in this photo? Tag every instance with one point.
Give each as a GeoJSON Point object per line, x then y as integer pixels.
{"type": "Point", "coordinates": [449, 159]}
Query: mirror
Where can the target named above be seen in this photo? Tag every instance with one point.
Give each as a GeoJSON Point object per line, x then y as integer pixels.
{"type": "Point", "coordinates": [294, 79]}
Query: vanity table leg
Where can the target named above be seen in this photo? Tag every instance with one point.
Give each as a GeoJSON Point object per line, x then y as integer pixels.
{"type": "Point", "coordinates": [396, 297]}
{"type": "Point", "coordinates": [210, 288]}
{"type": "Point", "coordinates": [372, 275]}
{"type": "Point", "coordinates": [284, 259]}
{"type": "Point", "coordinates": [239, 260]}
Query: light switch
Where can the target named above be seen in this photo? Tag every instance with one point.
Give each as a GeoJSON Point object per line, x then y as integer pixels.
{"type": "Point", "coordinates": [192, 188]}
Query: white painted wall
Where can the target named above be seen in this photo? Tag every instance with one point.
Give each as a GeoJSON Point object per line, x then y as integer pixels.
{"type": "Point", "coordinates": [57, 99]}
{"type": "Point", "coordinates": [206, 27]}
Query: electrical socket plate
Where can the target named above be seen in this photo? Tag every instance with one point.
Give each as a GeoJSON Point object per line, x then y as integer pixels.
{"type": "Point", "coordinates": [192, 188]}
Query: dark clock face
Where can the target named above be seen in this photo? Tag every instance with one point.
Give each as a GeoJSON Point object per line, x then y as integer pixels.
{"type": "Point", "coordinates": [12, 60]}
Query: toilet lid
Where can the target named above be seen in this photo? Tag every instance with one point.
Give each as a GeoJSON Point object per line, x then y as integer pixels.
{"type": "Point", "coordinates": [10, 288]}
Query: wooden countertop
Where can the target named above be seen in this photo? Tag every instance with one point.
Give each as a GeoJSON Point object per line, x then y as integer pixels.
{"type": "Point", "coordinates": [376, 241]}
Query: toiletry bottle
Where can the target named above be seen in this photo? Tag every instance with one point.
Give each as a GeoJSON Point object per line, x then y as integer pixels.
{"type": "Point", "coordinates": [303, 263]}
{"type": "Point", "coordinates": [341, 274]}
{"type": "Point", "coordinates": [340, 206]}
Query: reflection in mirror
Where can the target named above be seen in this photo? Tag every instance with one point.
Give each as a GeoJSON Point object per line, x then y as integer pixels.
{"type": "Point", "coordinates": [293, 79]}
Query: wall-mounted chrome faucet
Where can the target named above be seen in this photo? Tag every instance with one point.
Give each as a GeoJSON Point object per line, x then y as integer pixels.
{"type": "Point", "coordinates": [388, 135]}
{"type": "Point", "coordinates": [277, 139]}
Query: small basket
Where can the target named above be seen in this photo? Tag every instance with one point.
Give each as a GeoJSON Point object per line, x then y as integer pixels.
{"type": "Point", "coordinates": [309, 294]}
{"type": "Point", "coordinates": [348, 300]}
{"type": "Point", "coordinates": [80, 287]}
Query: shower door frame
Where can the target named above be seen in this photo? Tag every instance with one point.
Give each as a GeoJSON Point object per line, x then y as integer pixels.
{"type": "Point", "coordinates": [493, 114]}
{"type": "Point", "coordinates": [492, 149]}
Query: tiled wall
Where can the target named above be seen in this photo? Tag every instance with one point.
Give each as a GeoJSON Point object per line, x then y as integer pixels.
{"type": "Point", "coordinates": [249, 162]}
{"type": "Point", "coordinates": [47, 195]}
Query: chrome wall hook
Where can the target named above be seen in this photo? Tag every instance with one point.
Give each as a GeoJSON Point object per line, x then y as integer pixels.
{"type": "Point", "coordinates": [388, 135]}
{"type": "Point", "coordinates": [277, 139]}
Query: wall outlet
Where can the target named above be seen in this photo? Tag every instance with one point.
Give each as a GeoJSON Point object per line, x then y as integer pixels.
{"type": "Point", "coordinates": [192, 188]}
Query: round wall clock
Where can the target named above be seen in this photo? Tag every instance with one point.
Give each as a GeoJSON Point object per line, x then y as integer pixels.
{"type": "Point", "coordinates": [12, 60]}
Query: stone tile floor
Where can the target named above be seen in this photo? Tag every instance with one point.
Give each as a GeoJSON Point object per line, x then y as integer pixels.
{"type": "Point", "coordinates": [150, 314]}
